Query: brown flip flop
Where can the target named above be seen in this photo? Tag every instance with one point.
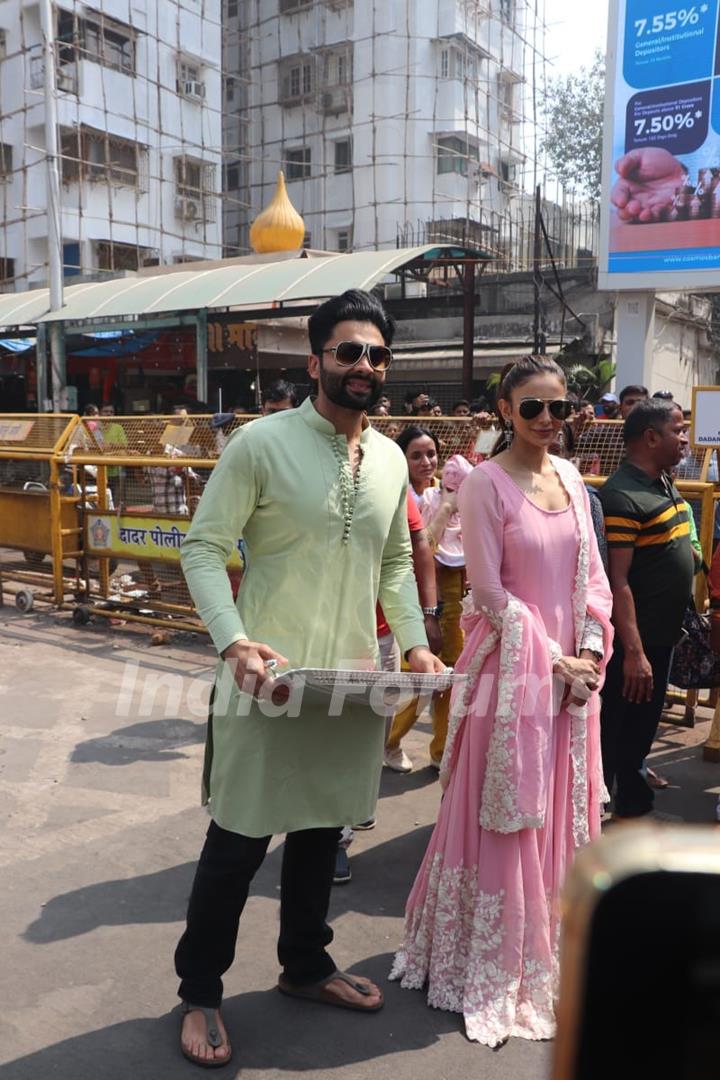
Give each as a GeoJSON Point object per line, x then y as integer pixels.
{"type": "Point", "coordinates": [213, 1038]}
{"type": "Point", "coordinates": [319, 992]}
{"type": "Point", "coordinates": [655, 781]}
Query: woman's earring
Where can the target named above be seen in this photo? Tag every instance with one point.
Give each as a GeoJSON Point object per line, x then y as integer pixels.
{"type": "Point", "coordinates": [560, 441]}
{"type": "Point", "coordinates": [508, 434]}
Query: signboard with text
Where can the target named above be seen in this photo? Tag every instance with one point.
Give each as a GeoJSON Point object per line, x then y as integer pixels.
{"type": "Point", "coordinates": [133, 536]}
{"type": "Point", "coordinates": [661, 164]}
{"type": "Point", "coordinates": [705, 422]}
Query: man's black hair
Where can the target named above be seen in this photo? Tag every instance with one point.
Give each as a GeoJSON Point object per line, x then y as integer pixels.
{"type": "Point", "coordinates": [652, 413]}
{"type": "Point", "coordinates": [411, 395]}
{"type": "Point", "coordinates": [353, 305]}
{"type": "Point", "coordinates": [279, 391]}
{"type": "Point", "coordinates": [462, 401]}
{"type": "Point", "coordinates": [634, 390]}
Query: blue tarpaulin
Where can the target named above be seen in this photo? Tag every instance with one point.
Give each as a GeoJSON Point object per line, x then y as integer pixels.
{"type": "Point", "coordinates": [19, 344]}
{"type": "Point", "coordinates": [118, 345]}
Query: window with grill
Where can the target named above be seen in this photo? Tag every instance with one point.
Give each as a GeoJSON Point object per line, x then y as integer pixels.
{"type": "Point", "coordinates": [195, 188]}
{"type": "Point", "coordinates": [454, 154]}
{"type": "Point", "coordinates": [297, 79]}
{"type": "Point", "coordinates": [287, 7]}
{"type": "Point", "coordinates": [343, 156]}
{"type": "Point", "coordinates": [7, 269]}
{"type": "Point", "coordinates": [6, 162]}
{"type": "Point", "coordinates": [107, 41]}
{"type": "Point", "coordinates": [68, 37]}
{"type": "Point", "coordinates": [457, 63]}
{"type": "Point", "coordinates": [112, 256]}
{"type": "Point", "coordinates": [344, 239]}
{"type": "Point", "coordinates": [190, 78]}
{"type": "Point", "coordinates": [298, 163]}
{"type": "Point", "coordinates": [337, 67]}
{"type": "Point", "coordinates": [88, 154]}
{"type": "Point", "coordinates": [507, 10]}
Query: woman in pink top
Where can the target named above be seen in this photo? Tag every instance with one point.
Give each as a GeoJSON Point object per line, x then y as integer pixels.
{"type": "Point", "coordinates": [442, 522]}
{"type": "Point", "coordinates": [521, 768]}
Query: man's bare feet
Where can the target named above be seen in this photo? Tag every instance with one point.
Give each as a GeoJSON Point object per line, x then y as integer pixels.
{"type": "Point", "coordinates": [345, 991]}
{"type": "Point", "coordinates": [194, 1038]}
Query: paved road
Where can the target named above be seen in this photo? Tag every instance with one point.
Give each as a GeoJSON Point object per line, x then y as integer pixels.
{"type": "Point", "coordinates": [100, 830]}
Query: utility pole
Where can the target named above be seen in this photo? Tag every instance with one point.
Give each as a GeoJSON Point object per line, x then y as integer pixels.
{"type": "Point", "coordinates": [55, 259]}
{"type": "Point", "coordinates": [539, 338]}
{"type": "Point", "coordinates": [468, 282]}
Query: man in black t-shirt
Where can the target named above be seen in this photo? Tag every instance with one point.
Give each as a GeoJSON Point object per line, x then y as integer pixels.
{"type": "Point", "coordinates": [651, 569]}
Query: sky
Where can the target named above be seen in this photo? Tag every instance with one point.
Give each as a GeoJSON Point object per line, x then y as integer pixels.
{"type": "Point", "coordinates": [574, 29]}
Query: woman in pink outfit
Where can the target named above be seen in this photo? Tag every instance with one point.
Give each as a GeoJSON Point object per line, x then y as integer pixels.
{"type": "Point", "coordinates": [521, 768]}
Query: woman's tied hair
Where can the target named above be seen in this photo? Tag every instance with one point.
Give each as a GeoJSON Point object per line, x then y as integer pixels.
{"type": "Point", "coordinates": [517, 372]}
{"type": "Point", "coordinates": [512, 377]}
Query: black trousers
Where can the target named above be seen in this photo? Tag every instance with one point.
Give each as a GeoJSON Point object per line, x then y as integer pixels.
{"type": "Point", "coordinates": [227, 865]}
{"type": "Point", "coordinates": [628, 730]}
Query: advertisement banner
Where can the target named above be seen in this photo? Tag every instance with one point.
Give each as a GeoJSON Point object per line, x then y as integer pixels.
{"type": "Point", "coordinates": [130, 536]}
{"type": "Point", "coordinates": [705, 423]}
{"type": "Point", "coordinates": [661, 168]}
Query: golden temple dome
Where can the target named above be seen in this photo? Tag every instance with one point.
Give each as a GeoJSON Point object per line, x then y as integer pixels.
{"type": "Point", "coordinates": [278, 227]}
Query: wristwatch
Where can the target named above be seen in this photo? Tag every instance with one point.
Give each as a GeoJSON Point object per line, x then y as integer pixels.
{"type": "Point", "coordinates": [431, 610]}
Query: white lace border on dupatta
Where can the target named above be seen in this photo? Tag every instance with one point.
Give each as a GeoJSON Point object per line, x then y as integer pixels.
{"type": "Point", "coordinates": [499, 810]}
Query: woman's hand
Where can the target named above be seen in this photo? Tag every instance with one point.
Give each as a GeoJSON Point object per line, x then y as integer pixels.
{"type": "Point", "coordinates": [446, 508]}
{"type": "Point", "coordinates": [582, 676]}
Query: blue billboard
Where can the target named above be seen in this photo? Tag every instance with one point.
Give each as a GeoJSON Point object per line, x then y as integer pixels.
{"type": "Point", "coordinates": [661, 178]}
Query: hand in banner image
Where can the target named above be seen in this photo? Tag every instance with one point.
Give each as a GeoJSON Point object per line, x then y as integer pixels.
{"type": "Point", "coordinates": [649, 180]}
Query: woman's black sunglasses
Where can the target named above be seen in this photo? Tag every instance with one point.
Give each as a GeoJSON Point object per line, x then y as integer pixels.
{"type": "Point", "coordinates": [531, 407]}
{"type": "Point", "coordinates": [349, 353]}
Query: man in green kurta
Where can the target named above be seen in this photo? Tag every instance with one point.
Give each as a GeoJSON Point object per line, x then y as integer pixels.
{"type": "Point", "coordinates": [320, 500]}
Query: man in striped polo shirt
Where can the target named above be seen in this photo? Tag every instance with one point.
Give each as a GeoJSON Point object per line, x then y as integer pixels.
{"type": "Point", "coordinates": [651, 569]}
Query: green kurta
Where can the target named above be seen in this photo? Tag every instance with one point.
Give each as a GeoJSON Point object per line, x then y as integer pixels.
{"type": "Point", "coordinates": [321, 549]}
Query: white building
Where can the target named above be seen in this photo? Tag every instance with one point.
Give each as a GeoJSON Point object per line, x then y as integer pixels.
{"type": "Point", "coordinates": [139, 104]}
{"type": "Point", "coordinates": [394, 120]}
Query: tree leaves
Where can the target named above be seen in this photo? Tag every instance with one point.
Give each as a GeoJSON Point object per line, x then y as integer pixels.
{"type": "Point", "coordinates": [573, 111]}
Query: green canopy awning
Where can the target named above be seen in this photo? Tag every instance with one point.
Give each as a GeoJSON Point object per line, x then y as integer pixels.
{"type": "Point", "coordinates": [238, 285]}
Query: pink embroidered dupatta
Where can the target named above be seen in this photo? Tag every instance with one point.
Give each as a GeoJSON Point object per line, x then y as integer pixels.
{"type": "Point", "coordinates": [514, 794]}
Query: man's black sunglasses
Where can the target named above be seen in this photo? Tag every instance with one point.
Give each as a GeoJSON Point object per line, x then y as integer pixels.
{"type": "Point", "coordinates": [531, 407]}
{"type": "Point", "coordinates": [349, 353]}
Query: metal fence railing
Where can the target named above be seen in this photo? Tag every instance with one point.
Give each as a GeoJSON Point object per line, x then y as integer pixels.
{"type": "Point", "coordinates": [39, 517]}
{"type": "Point", "coordinates": [109, 500]}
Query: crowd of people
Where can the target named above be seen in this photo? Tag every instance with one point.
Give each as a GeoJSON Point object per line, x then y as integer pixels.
{"type": "Point", "coordinates": [559, 607]}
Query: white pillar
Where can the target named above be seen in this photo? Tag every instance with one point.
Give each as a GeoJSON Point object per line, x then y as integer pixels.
{"type": "Point", "coordinates": [55, 257]}
{"type": "Point", "coordinates": [634, 338]}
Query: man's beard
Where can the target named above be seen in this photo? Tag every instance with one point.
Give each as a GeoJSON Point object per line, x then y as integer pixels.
{"type": "Point", "coordinates": [334, 386]}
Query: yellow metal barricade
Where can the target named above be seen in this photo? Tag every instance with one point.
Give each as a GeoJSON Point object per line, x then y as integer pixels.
{"type": "Point", "coordinates": [145, 475]}
{"type": "Point", "coordinates": [39, 510]}
{"type": "Point", "coordinates": [455, 434]}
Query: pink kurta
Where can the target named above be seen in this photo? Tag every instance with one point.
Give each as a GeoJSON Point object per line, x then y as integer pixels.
{"type": "Point", "coordinates": [524, 783]}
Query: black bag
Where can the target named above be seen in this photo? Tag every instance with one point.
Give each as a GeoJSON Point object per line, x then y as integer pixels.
{"type": "Point", "coordinates": [694, 665]}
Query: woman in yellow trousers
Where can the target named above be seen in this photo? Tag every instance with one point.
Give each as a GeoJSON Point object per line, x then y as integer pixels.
{"type": "Point", "coordinates": [439, 509]}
